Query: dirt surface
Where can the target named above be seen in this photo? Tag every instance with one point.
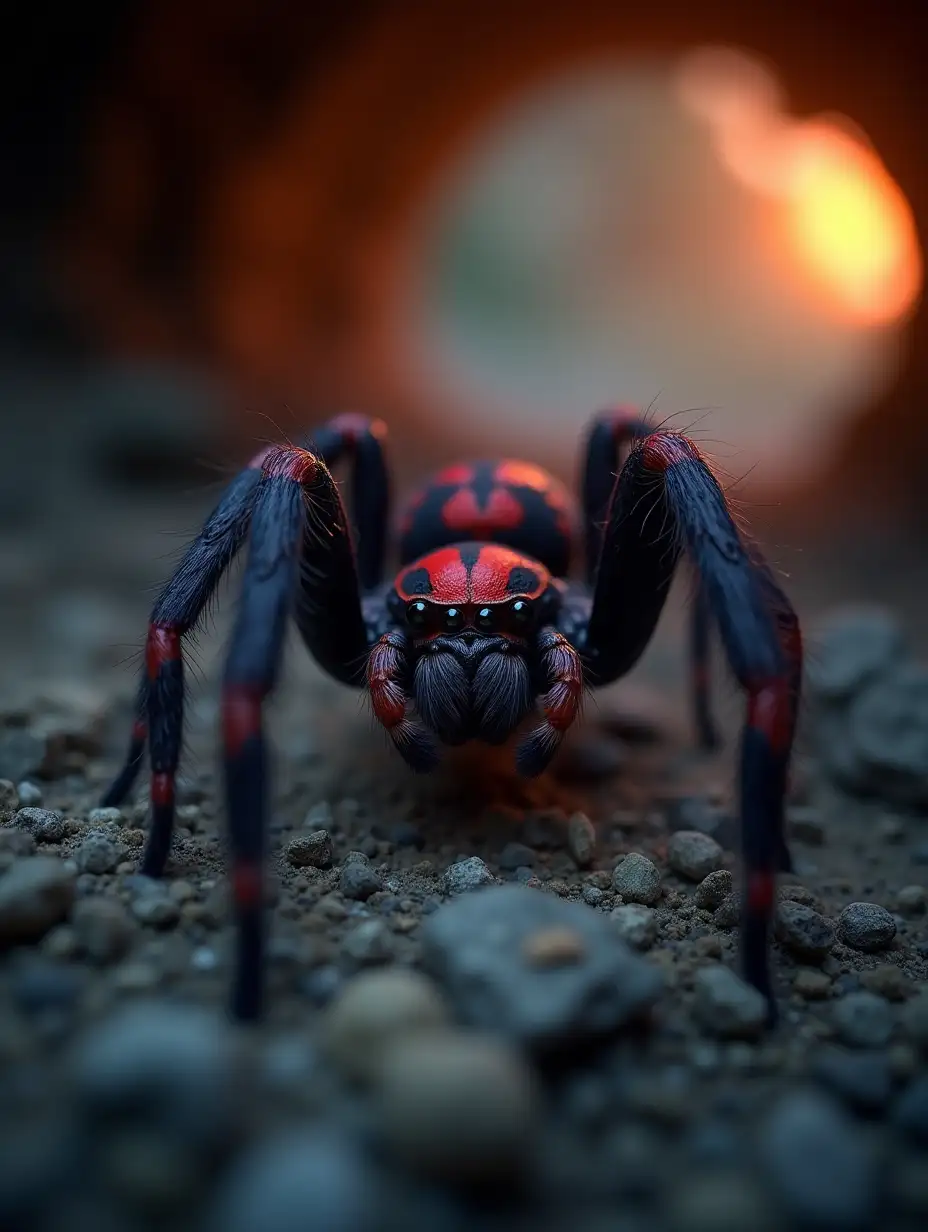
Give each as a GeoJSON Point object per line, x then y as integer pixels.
{"type": "Point", "coordinates": [493, 1081]}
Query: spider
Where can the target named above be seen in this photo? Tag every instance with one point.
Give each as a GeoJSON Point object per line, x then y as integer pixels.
{"type": "Point", "coordinates": [480, 630]}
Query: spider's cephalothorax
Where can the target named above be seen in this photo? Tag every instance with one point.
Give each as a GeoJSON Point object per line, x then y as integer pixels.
{"type": "Point", "coordinates": [480, 633]}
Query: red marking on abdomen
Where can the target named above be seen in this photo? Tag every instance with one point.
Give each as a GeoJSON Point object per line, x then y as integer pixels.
{"type": "Point", "coordinates": [524, 475]}
{"type": "Point", "coordinates": [287, 463]}
{"type": "Point", "coordinates": [162, 789]}
{"type": "Point", "coordinates": [459, 473]}
{"type": "Point", "coordinates": [247, 886]}
{"type": "Point", "coordinates": [760, 893]}
{"type": "Point", "coordinates": [770, 712]}
{"type": "Point", "coordinates": [241, 717]}
{"type": "Point", "coordinates": [662, 450]}
{"type": "Point", "coordinates": [162, 646]}
{"type": "Point", "coordinates": [501, 511]}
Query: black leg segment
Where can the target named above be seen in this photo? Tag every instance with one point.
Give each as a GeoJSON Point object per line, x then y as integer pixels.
{"type": "Point", "coordinates": [610, 435]}
{"type": "Point", "coordinates": [666, 502]}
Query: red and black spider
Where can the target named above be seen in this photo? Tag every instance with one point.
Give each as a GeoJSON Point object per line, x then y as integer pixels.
{"type": "Point", "coordinates": [479, 630]}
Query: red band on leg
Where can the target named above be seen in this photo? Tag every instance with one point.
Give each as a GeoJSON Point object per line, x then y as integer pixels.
{"type": "Point", "coordinates": [247, 886]}
{"type": "Point", "coordinates": [770, 712]}
{"type": "Point", "coordinates": [296, 464]}
{"type": "Point", "coordinates": [241, 717]}
{"type": "Point", "coordinates": [662, 450]}
{"type": "Point", "coordinates": [162, 646]}
{"type": "Point", "coordinates": [162, 789]}
{"type": "Point", "coordinates": [760, 892]}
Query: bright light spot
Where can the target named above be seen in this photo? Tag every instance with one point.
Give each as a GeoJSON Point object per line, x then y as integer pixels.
{"type": "Point", "coordinates": [842, 215]}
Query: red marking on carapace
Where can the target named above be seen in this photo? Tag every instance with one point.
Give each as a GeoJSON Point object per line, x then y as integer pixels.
{"type": "Point", "coordinates": [458, 473]}
{"type": "Point", "coordinates": [760, 893]}
{"type": "Point", "coordinates": [500, 512]}
{"type": "Point", "coordinates": [353, 426]}
{"type": "Point", "coordinates": [771, 712]}
{"type": "Point", "coordinates": [490, 575]}
{"type": "Point", "coordinates": [387, 697]}
{"type": "Point", "coordinates": [486, 581]}
{"type": "Point", "coordinates": [241, 717]}
{"type": "Point", "coordinates": [162, 646]}
{"type": "Point", "coordinates": [290, 463]}
{"type": "Point", "coordinates": [162, 789]}
{"type": "Point", "coordinates": [661, 450]}
{"type": "Point", "coordinates": [247, 886]}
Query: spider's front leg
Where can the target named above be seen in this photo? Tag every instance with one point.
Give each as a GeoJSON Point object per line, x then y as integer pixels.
{"type": "Point", "coordinates": [665, 502]}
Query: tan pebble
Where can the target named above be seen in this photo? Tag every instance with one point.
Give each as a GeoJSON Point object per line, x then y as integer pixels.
{"type": "Point", "coordinates": [812, 985]}
{"type": "Point", "coordinates": [553, 947]}
{"type": "Point", "coordinates": [887, 981]}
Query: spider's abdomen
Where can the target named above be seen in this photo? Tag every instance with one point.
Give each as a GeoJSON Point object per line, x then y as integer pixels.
{"type": "Point", "coordinates": [509, 502]}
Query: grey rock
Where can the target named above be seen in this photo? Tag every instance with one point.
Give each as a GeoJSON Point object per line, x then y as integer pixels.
{"type": "Point", "coordinates": [547, 972]}
{"type": "Point", "coordinates": [106, 817]}
{"type": "Point", "coordinates": [912, 900]}
{"type": "Point", "coordinates": [35, 894]}
{"type": "Point", "coordinates": [592, 895]}
{"type": "Point", "coordinates": [465, 875]}
{"type": "Point", "coordinates": [102, 928]}
{"type": "Point", "coordinates": [164, 1067]}
{"type": "Point", "coordinates": [910, 1111]}
{"type": "Point", "coordinates": [581, 840]}
{"type": "Point", "coordinates": [867, 927]}
{"type": "Point", "coordinates": [862, 1080]}
{"type": "Point", "coordinates": [728, 913]}
{"type": "Point", "coordinates": [516, 855]}
{"type": "Point", "coordinates": [854, 646]}
{"type": "Point", "coordinates": [153, 906]}
{"type": "Point", "coordinates": [721, 1201]}
{"type": "Point", "coordinates": [369, 943]}
{"type": "Point", "coordinates": [803, 931]}
{"type": "Point", "coordinates": [372, 1010]}
{"type": "Point", "coordinates": [637, 879]}
{"type": "Point", "coordinates": [313, 850]}
{"type": "Point", "coordinates": [359, 881]}
{"type": "Point", "coordinates": [45, 825]}
{"type": "Point", "coordinates": [97, 854]}
{"type": "Point", "coordinates": [694, 855]}
{"type": "Point", "coordinates": [636, 925]}
{"type": "Point", "coordinates": [458, 1107]}
{"type": "Point", "coordinates": [888, 729]}
{"type": "Point", "coordinates": [820, 1165]}
{"type": "Point", "coordinates": [713, 890]}
{"type": "Point", "coordinates": [30, 794]}
{"type": "Point", "coordinates": [304, 1180]}
{"type": "Point", "coordinates": [863, 1020]}
{"type": "Point", "coordinates": [727, 1006]}
{"type": "Point", "coordinates": [21, 754]}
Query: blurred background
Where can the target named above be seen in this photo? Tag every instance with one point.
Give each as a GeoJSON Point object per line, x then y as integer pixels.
{"type": "Point", "coordinates": [222, 223]}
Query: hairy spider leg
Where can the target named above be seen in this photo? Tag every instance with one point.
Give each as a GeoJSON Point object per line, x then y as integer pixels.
{"type": "Point", "coordinates": [666, 500]}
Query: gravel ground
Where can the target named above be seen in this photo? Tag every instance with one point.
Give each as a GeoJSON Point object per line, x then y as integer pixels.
{"type": "Point", "coordinates": [491, 1003]}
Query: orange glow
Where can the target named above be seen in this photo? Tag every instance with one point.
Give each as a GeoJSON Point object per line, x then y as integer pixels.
{"type": "Point", "coordinates": [843, 217]}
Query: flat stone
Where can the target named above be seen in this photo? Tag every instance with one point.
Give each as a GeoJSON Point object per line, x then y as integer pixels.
{"type": "Point", "coordinates": [35, 894]}
{"type": "Point", "coordinates": [478, 948]}
{"type": "Point", "coordinates": [694, 855]}
{"type": "Point", "coordinates": [866, 926]}
{"type": "Point", "coordinates": [803, 931]}
{"type": "Point", "coordinates": [637, 879]}
{"type": "Point", "coordinates": [312, 850]}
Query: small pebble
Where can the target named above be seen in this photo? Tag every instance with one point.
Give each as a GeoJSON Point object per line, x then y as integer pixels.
{"type": "Point", "coordinates": [912, 900]}
{"type": "Point", "coordinates": [154, 907]}
{"type": "Point", "coordinates": [822, 1168]}
{"type": "Point", "coordinates": [371, 1011]}
{"type": "Point", "coordinates": [369, 943]}
{"type": "Point", "coordinates": [465, 875]}
{"type": "Point", "coordinates": [726, 1005]}
{"type": "Point", "coordinates": [97, 854]}
{"type": "Point", "coordinates": [458, 1107]}
{"type": "Point", "coordinates": [713, 890]}
{"type": "Point", "coordinates": [581, 840]}
{"type": "Point", "coordinates": [592, 895]}
{"type": "Point", "coordinates": [694, 855]}
{"type": "Point", "coordinates": [887, 981]}
{"type": "Point", "coordinates": [636, 924]}
{"type": "Point", "coordinates": [637, 879]}
{"type": "Point", "coordinates": [803, 931]}
{"type": "Point", "coordinates": [105, 816]}
{"type": "Point", "coordinates": [102, 928]}
{"type": "Point", "coordinates": [516, 855]}
{"type": "Point", "coordinates": [35, 894]}
{"type": "Point", "coordinates": [863, 1020]}
{"type": "Point", "coordinates": [359, 881]}
{"type": "Point", "coordinates": [553, 947]}
{"type": "Point", "coordinates": [812, 985]}
{"type": "Point", "coordinates": [312, 850]}
{"type": "Point", "coordinates": [45, 825]}
{"type": "Point", "coordinates": [867, 927]}
{"type": "Point", "coordinates": [30, 794]}
{"type": "Point", "coordinates": [728, 913]}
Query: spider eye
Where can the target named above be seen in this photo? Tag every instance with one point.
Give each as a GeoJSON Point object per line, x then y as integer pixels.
{"type": "Point", "coordinates": [417, 615]}
{"type": "Point", "coordinates": [521, 614]}
{"type": "Point", "coordinates": [454, 619]}
{"type": "Point", "coordinates": [484, 619]}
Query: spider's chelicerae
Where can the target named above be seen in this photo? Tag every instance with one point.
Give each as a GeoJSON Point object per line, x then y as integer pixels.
{"type": "Point", "coordinates": [480, 629]}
